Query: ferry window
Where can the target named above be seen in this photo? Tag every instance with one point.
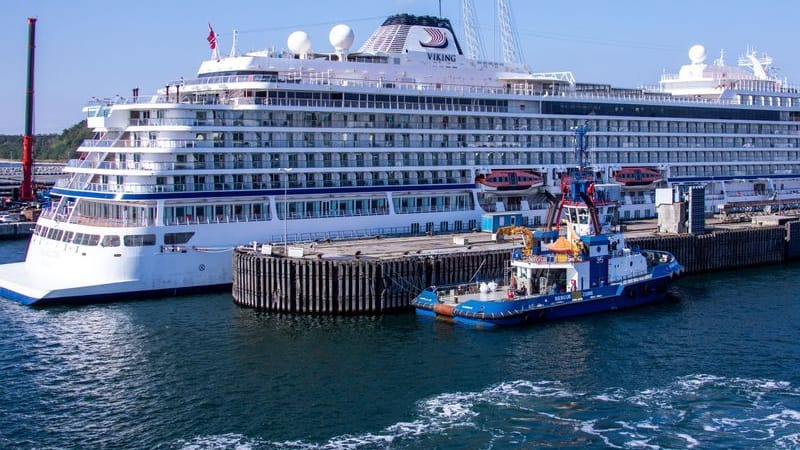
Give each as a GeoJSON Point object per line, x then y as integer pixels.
{"type": "Point", "coordinates": [91, 239]}
{"type": "Point", "coordinates": [139, 240]}
{"type": "Point", "coordinates": [177, 238]}
{"type": "Point", "coordinates": [68, 236]}
{"type": "Point", "coordinates": [110, 240]}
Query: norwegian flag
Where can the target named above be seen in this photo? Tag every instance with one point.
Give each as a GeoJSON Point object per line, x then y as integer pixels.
{"type": "Point", "coordinates": [212, 37]}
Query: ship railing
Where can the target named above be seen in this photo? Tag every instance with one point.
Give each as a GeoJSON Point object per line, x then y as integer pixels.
{"type": "Point", "coordinates": [656, 257]}
{"type": "Point", "coordinates": [397, 105]}
{"type": "Point", "coordinates": [101, 221]}
{"type": "Point", "coordinates": [129, 188]}
{"type": "Point", "coordinates": [635, 279]}
{"type": "Point", "coordinates": [212, 219]}
{"type": "Point", "coordinates": [53, 213]}
{"type": "Point", "coordinates": [90, 160]}
{"type": "Point", "coordinates": [431, 209]}
{"type": "Point", "coordinates": [333, 214]}
{"type": "Point", "coordinates": [342, 234]}
{"type": "Point", "coordinates": [297, 79]}
{"type": "Point", "coordinates": [294, 143]}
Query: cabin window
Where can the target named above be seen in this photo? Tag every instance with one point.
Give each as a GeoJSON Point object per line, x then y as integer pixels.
{"type": "Point", "coordinates": [110, 240]}
{"type": "Point", "coordinates": [177, 238]}
{"type": "Point", "coordinates": [139, 240]}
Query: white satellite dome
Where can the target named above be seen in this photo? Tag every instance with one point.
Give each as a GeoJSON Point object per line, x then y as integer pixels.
{"type": "Point", "coordinates": [299, 43]}
{"type": "Point", "coordinates": [697, 54]}
{"type": "Point", "coordinates": [341, 37]}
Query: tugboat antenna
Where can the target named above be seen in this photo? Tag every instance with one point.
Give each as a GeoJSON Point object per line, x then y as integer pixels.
{"type": "Point", "coordinates": [580, 145]}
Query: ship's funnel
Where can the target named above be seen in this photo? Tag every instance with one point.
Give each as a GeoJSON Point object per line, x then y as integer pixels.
{"type": "Point", "coordinates": [406, 33]}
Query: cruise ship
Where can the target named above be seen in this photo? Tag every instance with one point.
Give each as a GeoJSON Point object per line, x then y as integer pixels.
{"type": "Point", "coordinates": [409, 134]}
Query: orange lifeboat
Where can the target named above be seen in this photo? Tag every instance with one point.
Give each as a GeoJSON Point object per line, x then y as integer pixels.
{"type": "Point", "coordinates": [510, 180]}
{"type": "Point", "coordinates": [637, 176]}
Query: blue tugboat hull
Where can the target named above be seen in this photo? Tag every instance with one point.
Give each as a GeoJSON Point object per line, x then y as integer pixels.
{"type": "Point", "coordinates": [527, 310]}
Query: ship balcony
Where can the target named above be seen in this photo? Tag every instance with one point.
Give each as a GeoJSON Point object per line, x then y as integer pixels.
{"type": "Point", "coordinates": [157, 168]}
{"type": "Point", "coordinates": [169, 145]}
{"type": "Point", "coordinates": [94, 221]}
{"type": "Point", "coordinates": [129, 188]}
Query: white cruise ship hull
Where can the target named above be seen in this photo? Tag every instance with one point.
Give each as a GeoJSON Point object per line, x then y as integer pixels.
{"type": "Point", "coordinates": [59, 272]}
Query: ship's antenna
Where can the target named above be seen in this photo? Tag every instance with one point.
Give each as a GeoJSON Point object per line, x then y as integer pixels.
{"type": "Point", "coordinates": [508, 37]}
{"type": "Point", "coordinates": [233, 45]}
{"type": "Point", "coordinates": [475, 49]}
{"type": "Point", "coordinates": [440, 8]}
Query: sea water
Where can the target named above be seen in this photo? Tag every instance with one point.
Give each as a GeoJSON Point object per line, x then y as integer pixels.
{"type": "Point", "coordinates": [715, 367]}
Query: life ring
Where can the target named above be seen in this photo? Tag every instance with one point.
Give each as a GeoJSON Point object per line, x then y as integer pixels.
{"type": "Point", "coordinates": [573, 286]}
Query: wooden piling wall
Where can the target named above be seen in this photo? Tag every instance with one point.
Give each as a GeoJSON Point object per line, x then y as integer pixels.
{"type": "Point", "coordinates": [722, 249]}
{"type": "Point", "coordinates": [353, 286]}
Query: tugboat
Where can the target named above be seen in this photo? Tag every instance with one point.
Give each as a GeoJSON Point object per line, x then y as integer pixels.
{"type": "Point", "coordinates": [587, 269]}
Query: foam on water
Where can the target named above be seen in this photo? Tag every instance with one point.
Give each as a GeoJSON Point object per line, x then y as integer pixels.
{"type": "Point", "coordinates": [686, 413]}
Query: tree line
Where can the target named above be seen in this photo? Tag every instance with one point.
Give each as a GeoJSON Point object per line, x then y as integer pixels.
{"type": "Point", "coordinates": [47, 147]}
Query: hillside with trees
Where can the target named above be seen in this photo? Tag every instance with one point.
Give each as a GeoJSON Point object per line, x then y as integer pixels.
{"type": "Point", "coordinates": [47, 147]}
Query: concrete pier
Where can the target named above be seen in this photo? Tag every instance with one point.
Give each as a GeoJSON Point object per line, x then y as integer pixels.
{"type": "Point", "coordinates": [372, 276]}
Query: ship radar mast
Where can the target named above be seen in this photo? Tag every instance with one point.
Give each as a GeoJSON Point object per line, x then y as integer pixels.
{"type": "Point", "coordinates": [760, 66]}
{"type": "Point", "coordinates": [512, 54]}
{"type": "Point", "coordinates": [475, 49]}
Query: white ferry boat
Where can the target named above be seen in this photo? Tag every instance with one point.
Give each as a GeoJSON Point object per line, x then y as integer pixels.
{"type": "Point", "coordinates": [409, 133]}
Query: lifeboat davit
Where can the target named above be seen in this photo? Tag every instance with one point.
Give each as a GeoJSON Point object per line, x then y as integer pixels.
{"type": "Point", "coordinates": [510, 180]}
{"type": "Point", "coordinates": [637, 176]}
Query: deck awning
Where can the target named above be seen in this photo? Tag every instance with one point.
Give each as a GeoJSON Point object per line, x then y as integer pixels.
{"type": "Point", "coordinates": [561, 245]}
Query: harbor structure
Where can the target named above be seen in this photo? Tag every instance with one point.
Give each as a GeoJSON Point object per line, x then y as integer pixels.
{"type": "Point", "coordinates": [372, 276]}
{"type": "Point", "coordinates": [405, 135]}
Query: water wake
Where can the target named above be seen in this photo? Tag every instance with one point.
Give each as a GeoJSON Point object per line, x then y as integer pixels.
{"type": "Point", "coordinates": [694, 411]}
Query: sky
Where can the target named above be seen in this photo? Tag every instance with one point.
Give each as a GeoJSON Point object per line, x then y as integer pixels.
{"type": "Point", "coordinates": [93, 48]}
